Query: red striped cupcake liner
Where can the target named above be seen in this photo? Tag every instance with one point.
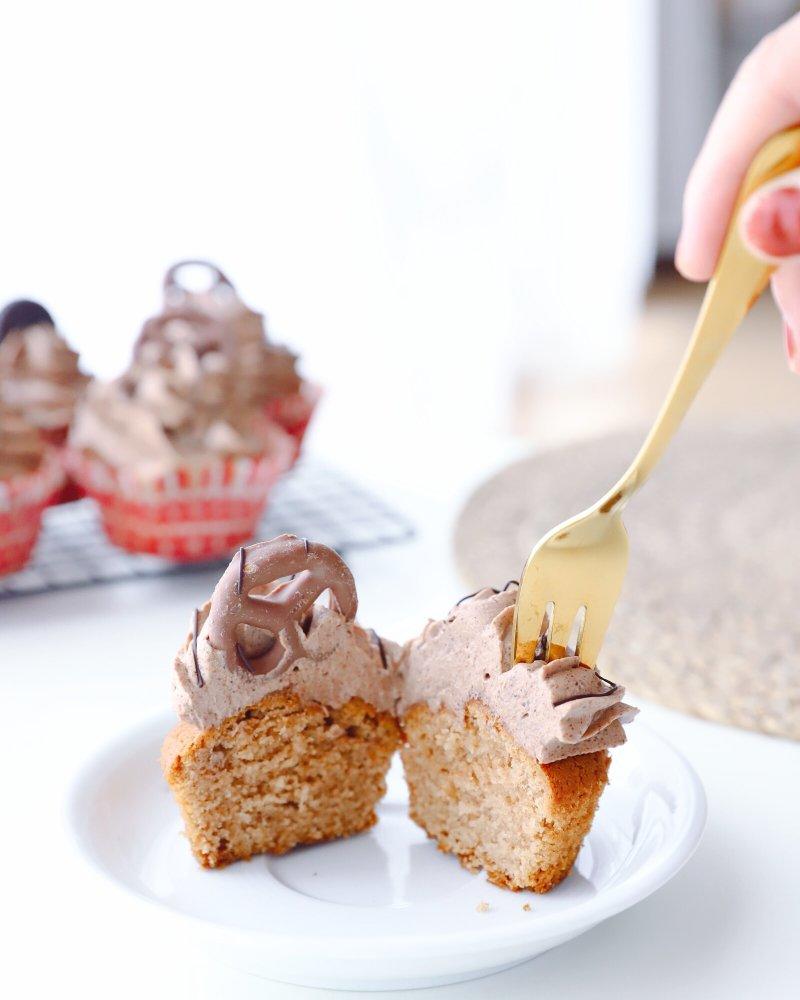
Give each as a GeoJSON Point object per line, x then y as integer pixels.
{"type": "Point", "coordinates": [70, 490]}
{"type": "Point", "coordinates": [294, 411]}
{"type": "Point", "coordinates": [193, 513]}
{"type": "Point", "coordinates": [23, 498]}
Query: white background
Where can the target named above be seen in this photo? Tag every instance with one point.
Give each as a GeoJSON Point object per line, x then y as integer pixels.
{"type": "Point", "coordinates": [428, 199]}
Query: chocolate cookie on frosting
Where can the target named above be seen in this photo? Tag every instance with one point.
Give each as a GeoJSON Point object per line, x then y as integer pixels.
{"type": "Point", "coordinates": [40, 376]}
{"type": "Point", "coordinates": [287, 708]}
{"type": "Point", "coordinates": [505, 761]}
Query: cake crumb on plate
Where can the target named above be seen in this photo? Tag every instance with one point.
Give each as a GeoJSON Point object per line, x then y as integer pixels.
{"type": "Point", "coordinates": [482, 907]}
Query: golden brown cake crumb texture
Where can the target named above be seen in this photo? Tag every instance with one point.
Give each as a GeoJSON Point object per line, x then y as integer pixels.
{"type": "Point", "coordinates": [278, 774]}
{"type": "Point", "coordinates": [481, 797]}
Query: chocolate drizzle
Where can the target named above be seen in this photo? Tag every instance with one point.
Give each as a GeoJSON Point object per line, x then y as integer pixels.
{"type": "Point", "coordinates": [494, 590]}
{"type": "Point", "coordinates": [248, 666]}
{"type": "Point", "coordinates": [474, 593]}
{"type": "Point", "coordinates": [376, 639]}
{"type": "Point", "coordinates": [305, 543]}
{"type": "Point", "coordinates": [580, 697]}
{"type": "Point", "coordinates": [240, 578]}
{"type": "Point", "coordinates": [247, 663]}
{"type": "Point", "coordinates": [198, 675]}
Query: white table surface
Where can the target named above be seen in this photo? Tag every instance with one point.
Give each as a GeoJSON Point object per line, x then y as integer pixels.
{"type": "Point", "coordinates": [80, 666]}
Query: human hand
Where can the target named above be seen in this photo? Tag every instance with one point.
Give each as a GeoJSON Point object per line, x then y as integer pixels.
{"type": "Point", "coordinates": [763, 98]}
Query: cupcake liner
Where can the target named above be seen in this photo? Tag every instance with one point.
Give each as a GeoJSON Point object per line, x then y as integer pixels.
{"type": "Point", "coordinates": [57, 437]}
{"type": "Point", "coordinates": [70, 491]}
{"type": "Point", "coordinates": [193, 513]}
{"type": "Point", "coordinates": [293, 412]}
{"type": "Point", "coordinates": [22, 500]}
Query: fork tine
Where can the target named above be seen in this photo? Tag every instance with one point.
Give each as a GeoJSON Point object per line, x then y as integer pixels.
{"type": "Point", "coordinates": [576, 632]}
{"type": "Point", "coordinates": [545, 633]}
{"type": "Point", "coordinates": [562, 632]}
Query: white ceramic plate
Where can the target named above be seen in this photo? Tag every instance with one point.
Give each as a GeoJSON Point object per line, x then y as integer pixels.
{"type": "Point", "coordinates": [383, 910]}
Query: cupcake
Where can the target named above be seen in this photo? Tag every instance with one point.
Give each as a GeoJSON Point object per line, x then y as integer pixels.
{"type": "Point", "coordinates": [30, 474]}
{"type": "Point", "coordinates": [39, 373]}
{"type": "Point", "coordinates": [265, 373]}
{"type": "Point", "coordinates": [180, 462]}
{"type": "Point", "coordinates": [286, 706]}
{"type": "Point", "coordinates": [505, 762]}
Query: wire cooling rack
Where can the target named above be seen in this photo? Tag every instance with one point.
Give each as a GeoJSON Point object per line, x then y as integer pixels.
{"type": "Point", "coordinates": [313, 501]}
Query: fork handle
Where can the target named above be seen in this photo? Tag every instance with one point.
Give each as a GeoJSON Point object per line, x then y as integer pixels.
{"type": "Point", "coordinates": [739, 279]}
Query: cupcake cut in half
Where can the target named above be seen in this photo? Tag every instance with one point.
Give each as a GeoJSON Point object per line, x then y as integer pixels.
{"type": "Point", "coordinates": [287, 708]}
{"type": "Point", "coordinates": [291, 713]}
{"type": "Point", "coordinates": [505, 762]}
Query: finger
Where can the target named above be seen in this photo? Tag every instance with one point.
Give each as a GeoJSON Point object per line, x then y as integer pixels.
{"type": "Point", "coordinates": [770, 219]}
{"type": "Point", "coordinates": [786, 289]}
{"type": "Point", "coordinates": [763, 99]}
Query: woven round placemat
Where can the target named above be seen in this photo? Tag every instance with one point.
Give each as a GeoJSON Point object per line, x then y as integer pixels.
{"type": "Point", "coordinates": [708, 619]}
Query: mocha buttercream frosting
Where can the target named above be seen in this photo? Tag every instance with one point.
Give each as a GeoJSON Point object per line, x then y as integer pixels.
{"type": "Point", "coordinates": [262, 370]}
{"type": "Point", "coordinates": [553, 710]}
{"type": "Point", "coordinates": [262, 631]}
{"type": "Point", "coordinates": [22, 446]}
{"type": "Point", "coordinates": [258, 635]}
{"type": "Point", "coordinates": [39, 373]}
{"type": "Point", "coordinates": [177, 405]}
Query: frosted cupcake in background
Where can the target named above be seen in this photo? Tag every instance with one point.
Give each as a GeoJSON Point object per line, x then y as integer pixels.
{"type": "Point", "coordinates": [40, 375]}
{"type": "Point", "coordinates": [266, 373]}
{"type": "Point", "coordinates": [30, 474]}
{"type": "Point", "coordinates": [179, 458]}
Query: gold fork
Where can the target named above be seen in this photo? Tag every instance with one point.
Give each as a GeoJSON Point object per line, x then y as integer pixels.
{"type": "Point", "coordinates": [574, 575]}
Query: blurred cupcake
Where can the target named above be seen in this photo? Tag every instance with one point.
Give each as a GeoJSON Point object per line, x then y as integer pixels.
{"type": "Point", "coordinates": [266, 373]}
{"type": "Point", "coordinates": [30, 474]}
{"type": "Point", "coordinates": [180, 460]}
{"type": "Point", "coordinates": [39, 373]}
{"type": "Point", "coordinates": [40, 376]}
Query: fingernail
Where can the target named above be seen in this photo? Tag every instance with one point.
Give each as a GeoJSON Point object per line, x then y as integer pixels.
{"type": "Point", "coordinates": [792, 348]}
{"type": "Point", "coordinates": [772, 225]}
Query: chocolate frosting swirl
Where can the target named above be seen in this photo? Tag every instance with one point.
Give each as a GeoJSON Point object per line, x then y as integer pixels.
{"type": "Point", "coordinates": [554, 710]}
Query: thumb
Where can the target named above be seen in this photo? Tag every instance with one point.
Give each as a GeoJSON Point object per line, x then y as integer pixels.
{"type": "Point", "coordinates": [770, 219]}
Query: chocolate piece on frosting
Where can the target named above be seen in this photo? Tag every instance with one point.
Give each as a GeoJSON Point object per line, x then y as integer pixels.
{"type": "Point", "coordinates": [21, 314]}
{"type": "Point", "coordinates": [240, 577]}
{"type": "Point", "coordinates": [174, 289]}
{"type": "Point", "coordinates": [242, 602]}
{"type": "Point", "coordinates": [379, 643]}
{"type": "Point", "coordinates": [195, 627]}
